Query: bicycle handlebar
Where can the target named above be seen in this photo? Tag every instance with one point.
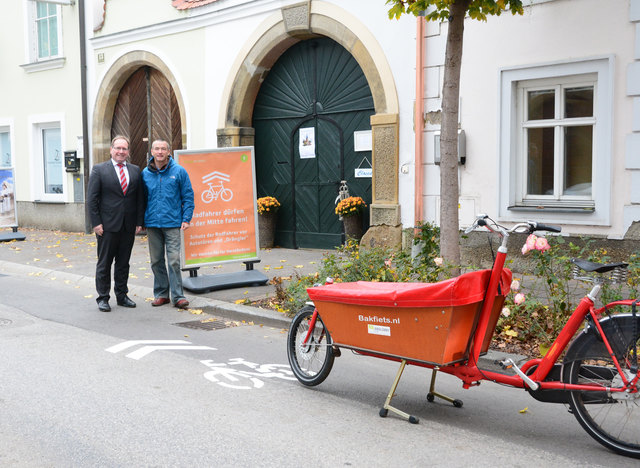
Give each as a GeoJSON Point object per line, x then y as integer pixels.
{"type": "Point", "coordinates": [526, 227]}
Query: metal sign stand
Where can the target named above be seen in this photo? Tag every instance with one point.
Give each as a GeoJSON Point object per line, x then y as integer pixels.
{"type": "Point", "coordinates": [13, 235]}
{"type": "Point", "coordinates": [238, 279]}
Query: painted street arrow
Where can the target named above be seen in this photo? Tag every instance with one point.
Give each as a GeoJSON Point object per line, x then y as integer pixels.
{"type": "Point", "coordinates": [154, 345]}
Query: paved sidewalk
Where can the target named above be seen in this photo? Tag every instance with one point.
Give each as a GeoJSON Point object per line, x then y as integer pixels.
{"type": "Point", "coordinates": [72, 254]}
{"type": "Point", "coordinates": [70, 257]}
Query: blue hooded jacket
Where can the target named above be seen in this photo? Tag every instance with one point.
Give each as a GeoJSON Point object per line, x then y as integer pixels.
{"type": "Point", "coordinates": [169, 195]}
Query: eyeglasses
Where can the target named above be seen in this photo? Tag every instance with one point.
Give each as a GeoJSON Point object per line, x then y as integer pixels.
{"type": "Point", "coordinates": [120, 148]}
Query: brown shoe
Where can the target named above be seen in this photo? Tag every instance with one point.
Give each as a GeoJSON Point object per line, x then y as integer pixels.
{"type": "Point", "coordinates": [182, 304]}
{"type": "Point", "coordinates": [158, 301]}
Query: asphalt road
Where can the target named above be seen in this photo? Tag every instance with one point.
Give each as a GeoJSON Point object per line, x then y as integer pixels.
{"type": "Point", "coordinates": [80, 388]}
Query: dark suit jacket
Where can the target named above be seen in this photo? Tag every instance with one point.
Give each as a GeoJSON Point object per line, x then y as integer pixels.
{"type": "Point", "coordinates": [107, 205]}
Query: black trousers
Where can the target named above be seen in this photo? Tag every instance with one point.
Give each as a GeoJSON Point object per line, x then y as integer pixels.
{"type": "Point", "coordinates": [113, 246]}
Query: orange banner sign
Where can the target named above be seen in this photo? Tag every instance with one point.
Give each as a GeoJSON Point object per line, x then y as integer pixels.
{"type": "Point", "coordinates": [224, 224]}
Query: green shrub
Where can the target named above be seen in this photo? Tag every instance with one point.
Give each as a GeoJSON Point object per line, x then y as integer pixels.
{"type": "Point", "coordinates": [349, 263]}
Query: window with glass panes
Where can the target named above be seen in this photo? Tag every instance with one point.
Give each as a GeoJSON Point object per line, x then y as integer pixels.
{"type": "Point", "coordinates": [557, 130]}
{"type": "Point", "coordinates": [5, 148]}
{"type": "Point", "coordinates": [47, 29]}
{"type": "Point", "coordinates": [52, 160]}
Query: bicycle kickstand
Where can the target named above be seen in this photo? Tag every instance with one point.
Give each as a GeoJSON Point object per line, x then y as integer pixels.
{"type": "Point", "coordinates": [432, 391]}
{"type": "Point", "coordinates": [387, 406]}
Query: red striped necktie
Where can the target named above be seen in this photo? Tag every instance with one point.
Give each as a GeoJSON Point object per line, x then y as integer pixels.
{"type": "Point", "coordinates": [123, 179]}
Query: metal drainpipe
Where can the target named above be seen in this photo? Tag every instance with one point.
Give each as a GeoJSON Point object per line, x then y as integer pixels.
{"type": "Point", "coordinates": [419, 120]}
{"type": "Point", "coordinates": [85, 119]}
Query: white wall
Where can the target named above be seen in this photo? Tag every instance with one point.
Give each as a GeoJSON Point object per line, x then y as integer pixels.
{"type": "Point", "coordinates": [551, 32]}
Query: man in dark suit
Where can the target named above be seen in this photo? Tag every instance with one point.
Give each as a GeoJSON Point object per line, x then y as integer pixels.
{"type": "Point", "coordinates": [115, 199]}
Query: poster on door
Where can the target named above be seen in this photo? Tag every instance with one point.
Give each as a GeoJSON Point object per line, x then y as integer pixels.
{"type": "Point", "coordinates": [224, 224]}
{"type": "Point", "coordinates": [8, 216]}
{"type": "Point", "coordinates": [307, 145]}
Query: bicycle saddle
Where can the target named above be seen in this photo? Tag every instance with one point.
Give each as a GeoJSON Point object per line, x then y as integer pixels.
{"type": "Point", "coordinates": [597, 267]}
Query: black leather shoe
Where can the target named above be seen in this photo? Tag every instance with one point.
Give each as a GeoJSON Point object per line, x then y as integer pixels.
{"type": "Point", "coordinates": [124, 301]}
{"type": "Point", "coordinates": [103, 306]}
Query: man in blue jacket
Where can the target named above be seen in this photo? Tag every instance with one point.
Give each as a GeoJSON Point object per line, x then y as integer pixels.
{"type": "Point", "coordinates": [169, 211]}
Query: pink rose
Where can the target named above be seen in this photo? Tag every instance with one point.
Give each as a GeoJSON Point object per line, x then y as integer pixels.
{"type": "Point", "coordinates": [525, 249]}
{"type": "Point", "coordinates": [515, 285]}
{"type": "Point", "coordinates": [519, 299]}
{"type": "Point", "coordinates": [531, 241]}
{"type": "Point", "coordinates": [438, 261]}
{"type": "Point", "coordinates": [542, 244]}
{"type": "Point", "coordinates": [505, 312]}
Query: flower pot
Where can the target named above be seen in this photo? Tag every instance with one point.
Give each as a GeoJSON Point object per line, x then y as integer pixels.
{"type": "Point", "coordinates": [267, 229]}
{"type": "Point", "coordinates": [353, 226]}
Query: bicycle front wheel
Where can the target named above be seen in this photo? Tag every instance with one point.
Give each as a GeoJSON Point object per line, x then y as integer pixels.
{"type": "Point", "coordinates": [312, 361]}
{"type": "Point", "coordinates": [611, 418]}
{"type": "Point", "coordinates": [207, 196]}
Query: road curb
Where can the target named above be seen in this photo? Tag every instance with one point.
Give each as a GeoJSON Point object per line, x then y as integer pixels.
{"type": "Point", "coordinates": [239, 312]}
{"type": "Point", "coordinates": [232, 311]}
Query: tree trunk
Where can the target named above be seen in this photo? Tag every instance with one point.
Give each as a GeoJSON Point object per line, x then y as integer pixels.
{"type": "Point", "coordinates": [449, 192]}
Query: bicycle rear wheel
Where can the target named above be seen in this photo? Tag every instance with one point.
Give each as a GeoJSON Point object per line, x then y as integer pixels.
{"type": "Point", "coordinates": [613, 419]}
{"type": "Point", "coordinates": [312, 361]}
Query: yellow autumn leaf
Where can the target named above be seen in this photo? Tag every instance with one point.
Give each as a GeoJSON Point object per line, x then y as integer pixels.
{"type": "Point", "coordinates": [278, 267]}
{"type": "Point", "coordinates": [511, 333]}
{"type": "Point", "coordinates": [89, 296]}
{"type": "Point", "coordinates": [299, 266]}
{"type": "Point", "coordinates": [283, 261]}
{"type": "Point", "coordinates": [246, 292]}
{"type": "Point", "coordinates": [59, 255]}
{"type": "Point", "coordinates": [526, 408]}
{"type": "Point", "coordinates": [267, 267]}
{"type": "Point", "coordinates": [196, 311]}
{"type": "Point", "coordinates": [239, 301]}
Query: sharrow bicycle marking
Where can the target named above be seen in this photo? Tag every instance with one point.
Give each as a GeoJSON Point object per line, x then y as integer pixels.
{"type": "Point", "coordinates": [235, 377]}
{"type": "Point", "coordinates": [153, 345]}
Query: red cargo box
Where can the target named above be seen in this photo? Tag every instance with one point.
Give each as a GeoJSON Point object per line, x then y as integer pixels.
{"type": "Point", "coordinates": [429, 322]}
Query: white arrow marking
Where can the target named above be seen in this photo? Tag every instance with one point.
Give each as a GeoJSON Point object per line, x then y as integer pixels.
{"type": "Point", "coordinates": [128, 344]}
{"type": "Point", "coordinates": [149, 349]}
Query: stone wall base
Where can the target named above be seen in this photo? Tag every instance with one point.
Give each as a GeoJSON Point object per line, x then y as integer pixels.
{"type": "Point", "coordinates": [382, 236]}
{"type": "Point", "coordinates": [68, 217]}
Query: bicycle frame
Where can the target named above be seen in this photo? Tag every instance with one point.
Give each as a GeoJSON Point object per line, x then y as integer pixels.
{"type": "Point", "coordinates": [445, 327]}
{"type": "Point", "coordinates": [471, 375]}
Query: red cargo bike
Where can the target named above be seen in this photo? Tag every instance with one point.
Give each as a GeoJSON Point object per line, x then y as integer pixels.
{"type": "Point", "coordinates": [592, 366]}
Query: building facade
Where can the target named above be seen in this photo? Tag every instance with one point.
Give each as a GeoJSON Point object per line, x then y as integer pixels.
{"type": "Point", "coordinates": [549, 114]}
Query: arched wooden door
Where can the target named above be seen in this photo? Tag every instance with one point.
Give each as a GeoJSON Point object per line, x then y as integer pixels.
{"type": "Point", "coordinates": [147, 109]}
{"type": "Point", "coordinates": [316, 87]}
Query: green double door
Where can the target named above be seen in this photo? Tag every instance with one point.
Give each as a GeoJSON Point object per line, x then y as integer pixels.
{"type": "Point", "coordinates": [316, 88]}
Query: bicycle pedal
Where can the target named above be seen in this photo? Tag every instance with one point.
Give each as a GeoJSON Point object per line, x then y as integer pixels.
{"type": "Point", "coordinates": [506, 364]}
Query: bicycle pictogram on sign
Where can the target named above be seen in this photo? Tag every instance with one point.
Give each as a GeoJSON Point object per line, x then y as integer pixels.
{"type": "Point", "coordinates": [215, 180]}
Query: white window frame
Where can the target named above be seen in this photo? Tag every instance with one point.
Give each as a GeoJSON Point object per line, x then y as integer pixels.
{"type": "Point", "coordinates": [7, 127]}
{"type": "Point", "coordinates": [558, 123]}
{"type": "Point", "coordinates": [511, 186]}
{"type": "Point", "coordinates": [37, 125]}
{"type": "Point", "coordinates": [34, 62]}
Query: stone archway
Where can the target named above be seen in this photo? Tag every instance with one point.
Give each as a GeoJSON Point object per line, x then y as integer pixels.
{"type": "Point", "coordinates": [279, 32]}
{"type": "Point", "coordinates": [106, 99]}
